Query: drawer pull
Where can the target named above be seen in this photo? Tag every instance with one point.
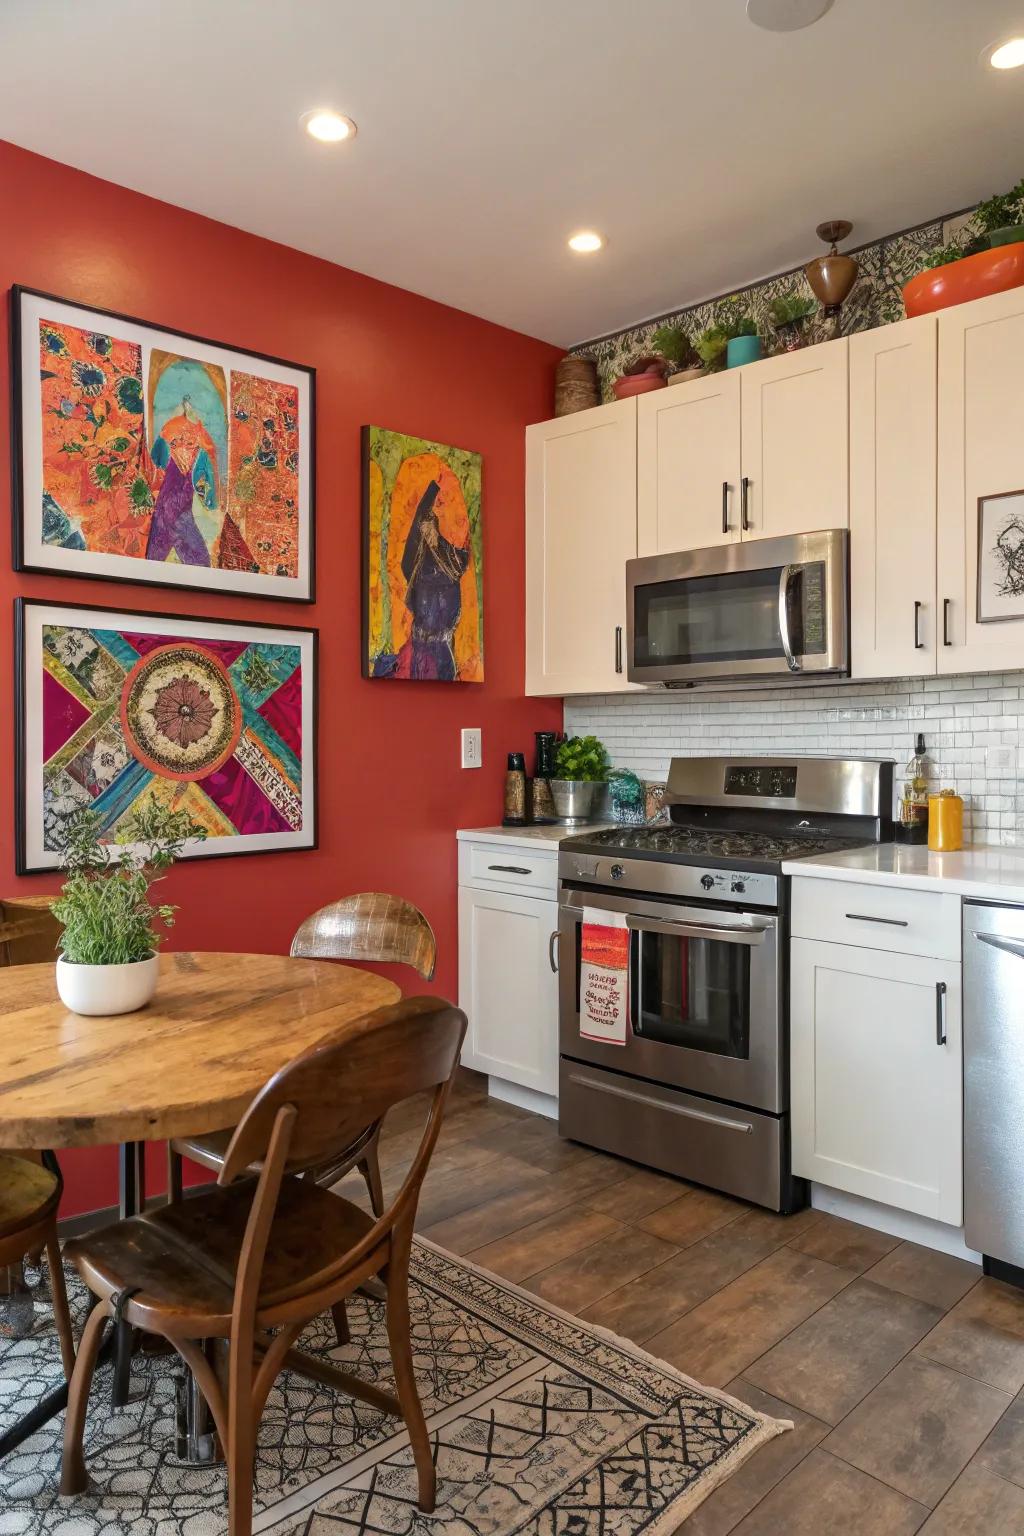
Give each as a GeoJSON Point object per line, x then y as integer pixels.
{"type": "Point", "coordinates": [890, 922]}
{"type": "Point", "coordinates": [553, 951]}
{"type": "Point", "coordinates": [940, 1013]}
{"type": "Point", "coordinates": [945, 621]}
{"type": "Point", "coordinates": [510, 869]}
{"type": "Point", "coordinates": [725, 506]}
{"type": "Point", "coordinates": [743, 1126]}
{"type": "Point", "coordinates": [918, 642]}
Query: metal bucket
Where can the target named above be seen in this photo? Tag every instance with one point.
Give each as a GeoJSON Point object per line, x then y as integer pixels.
{"type": "Point", "coordinates": [573, 800]}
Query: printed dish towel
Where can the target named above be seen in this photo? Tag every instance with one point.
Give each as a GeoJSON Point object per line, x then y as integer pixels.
{"type": "Point", "coordinates": [604, 977]}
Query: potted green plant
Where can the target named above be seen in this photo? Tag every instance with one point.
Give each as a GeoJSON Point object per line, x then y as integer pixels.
{"type": "Point", "coordinates": [108, 962]}
{"type": "Point", "coordinates": [986, 256]}
{"type": "Point", "coordinates": [672, 343]}
{"type": "Point", "coordinates": [581, 764]}
{"type": "Point", "coordinates": [789, 313]}
{"type": "Point", "coordinates": [710, 347]}
{"type": "Point", "coordinates": [743, 344]}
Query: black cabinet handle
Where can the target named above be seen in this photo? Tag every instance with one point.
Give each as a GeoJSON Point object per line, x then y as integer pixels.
{"type": "Point", "coordinates": [618, 647]}
{"type": "Point", "coordinates": [725, 506]}
{"type": "Point", "coordinates": [918, 642]}
{"type": "Point", "coordinates": [940, 1013]}
{"type": "Point", "coordinates": [510, 869]}
{"type": "Point", "coordinates": [945, 621]}
{"type": "Point", "coordinates": [744, 501]}
{"type": "Point", "coordinates": [890, 922]}
{"type": "Point", "coordinates": [553, 951]}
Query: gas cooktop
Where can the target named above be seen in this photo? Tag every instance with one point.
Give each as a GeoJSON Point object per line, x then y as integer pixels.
{"type": "Point", "coordinates": [680, 844]}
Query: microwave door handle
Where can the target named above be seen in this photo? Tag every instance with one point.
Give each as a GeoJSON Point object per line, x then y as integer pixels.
{"type": "Point", "coordinates": [679, 930]}
{"type": "Point", "coordinates": [785, 577]}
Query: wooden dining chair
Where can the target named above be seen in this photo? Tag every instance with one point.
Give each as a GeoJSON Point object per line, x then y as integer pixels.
{"type": "Point", "coordinates": [256, 1259]}
{"type": "Point", "coordinates": [29, 932]}
{"type": "Point", "coordinates": [368, 926]}
{"type": "Point", "coordinates": [30, 1191]}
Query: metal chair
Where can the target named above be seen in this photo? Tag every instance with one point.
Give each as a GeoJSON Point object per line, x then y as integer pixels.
{"type": "Point", "coordinates": [254, 1260]}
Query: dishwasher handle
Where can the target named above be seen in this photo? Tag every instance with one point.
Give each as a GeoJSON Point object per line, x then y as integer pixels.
{"type": "Point", "coordinates": [997, 941]}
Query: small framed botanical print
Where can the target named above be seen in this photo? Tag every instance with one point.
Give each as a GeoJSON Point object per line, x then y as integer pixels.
{"type": "Point", "coordinates": [115, 710]}
{"type": "Point", "coordinates": [152, 456]}
{"type": "Point", "coordinates": [1001, 557]}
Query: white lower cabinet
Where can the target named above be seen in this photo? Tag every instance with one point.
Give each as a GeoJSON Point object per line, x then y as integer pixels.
{"type": "Point", "coordinates": [507, 988]}
{"type": "Point", "coordinates": [877, 1094]}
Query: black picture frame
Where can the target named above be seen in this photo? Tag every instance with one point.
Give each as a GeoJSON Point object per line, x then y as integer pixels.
{"type": "Point", "coordinates": [22, 606]}
{"type": "Point", "coordinates": [19, 293]}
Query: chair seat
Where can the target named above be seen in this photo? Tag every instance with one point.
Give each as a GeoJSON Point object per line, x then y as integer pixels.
{"type": "Point", "coordinates": [28, 1193]}
{"type": "Point", "coordinates": [181, 1259]}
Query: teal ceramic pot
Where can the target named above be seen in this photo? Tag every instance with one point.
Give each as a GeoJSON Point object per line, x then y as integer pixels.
{"type": "Point", "coordinates": [743, 349]}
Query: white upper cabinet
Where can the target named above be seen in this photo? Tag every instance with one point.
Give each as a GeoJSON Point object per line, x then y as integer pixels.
{"type": "Point", "coordinates": [688, 465]}
{"type": "Point", "coordinates": [981, 454]}
{"type": "Point", "coordinates": [894, 620]}
{"type": "Point", "coordinates": [580, 531]}
{"type": "Point", "coordinates": [794, 437]}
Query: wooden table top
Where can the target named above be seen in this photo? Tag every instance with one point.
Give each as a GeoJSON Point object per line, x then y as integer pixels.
{"type": "Point", "coordinates": [217, 1029]}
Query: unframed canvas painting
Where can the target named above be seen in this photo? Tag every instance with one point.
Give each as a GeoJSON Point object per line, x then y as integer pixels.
{"type": "Point", "coordinates": [117, 710]}
{"type": "Point", "coordinates": [153, 457]}
{"type": "Point", "coordinates": [422, 560]}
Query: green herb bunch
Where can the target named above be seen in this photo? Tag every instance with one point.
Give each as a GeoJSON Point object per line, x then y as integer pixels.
{"type": "Point", "coordinates": [792, 306]}
{"type": "Point", "coordinates": [1004, 210]}
{"type": "Point", "coordinates": [104, 902]}
{"type": "Point", "coordinates": [583, 759]}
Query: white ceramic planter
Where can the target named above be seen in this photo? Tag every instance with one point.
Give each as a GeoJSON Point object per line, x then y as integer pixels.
{"type": "Point", "coordinates": [107, 989]}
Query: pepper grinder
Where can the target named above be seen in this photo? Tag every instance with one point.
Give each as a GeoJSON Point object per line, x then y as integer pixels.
{"type": "Point", "coordinates": [515, 791]}
{"type": "Point", "coordinates": [543, 800]}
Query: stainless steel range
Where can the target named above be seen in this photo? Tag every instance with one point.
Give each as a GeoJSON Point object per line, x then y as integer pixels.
{"type": "Point", "coordinates": [700, 1088]}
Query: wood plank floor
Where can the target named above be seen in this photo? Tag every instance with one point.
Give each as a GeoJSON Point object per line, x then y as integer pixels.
{"type": "Point", "coordinates": [902, 1369]}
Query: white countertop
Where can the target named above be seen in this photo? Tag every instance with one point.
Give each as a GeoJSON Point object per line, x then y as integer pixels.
{"type": "Point", "coordinates": [982, 873]}
{"type": "Point", "coordinates": [516, 837]}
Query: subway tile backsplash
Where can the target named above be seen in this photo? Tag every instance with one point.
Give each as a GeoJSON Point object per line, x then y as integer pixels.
{"type": "Point", "coordinates": [972, 727]}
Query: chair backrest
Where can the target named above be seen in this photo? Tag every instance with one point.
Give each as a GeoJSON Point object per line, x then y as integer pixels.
{"type": "Point", "coordinates": [369, 926]}
{"type": "Point", "coordinates": [29, 932]}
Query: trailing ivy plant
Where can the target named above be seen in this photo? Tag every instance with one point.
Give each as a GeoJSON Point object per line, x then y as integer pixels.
{"type": "Point", "coordinates": [582, 759]}
{"type": "Point", "coordinates": [1004, 210]}
{"type": "Point", "coordinates": [104, 903]}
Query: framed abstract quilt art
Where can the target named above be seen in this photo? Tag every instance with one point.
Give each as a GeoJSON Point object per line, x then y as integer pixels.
{"type": "Point", "coordinates": [153, 456]}
{"type": "Point", "coordinates": [423, 563]}
{"type": "Point", "coordinates": [116, 710]}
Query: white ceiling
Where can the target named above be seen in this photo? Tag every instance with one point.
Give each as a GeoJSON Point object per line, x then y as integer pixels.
{"type": "Point", "coordinates": [706, 150]}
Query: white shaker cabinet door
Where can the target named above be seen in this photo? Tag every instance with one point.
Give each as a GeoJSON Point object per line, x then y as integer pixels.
{"type": "Point", "coordinates": [877, 1093]}
{"type": "Point", "coordinates": [580, 531]}
{"type": "Point", "coordinates": [688, 465]}
{"type": "Point", "coordinates": [894, 623]}
{"type": "Point", "coordinates": [507, 988]}
{"type": "Point", "coordinates": [795, 441]}
{"type": "Point", "coordinates": [981, 454]}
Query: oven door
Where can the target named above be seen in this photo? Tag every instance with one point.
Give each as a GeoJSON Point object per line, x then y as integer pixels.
{"type": "Point", "coordinates": [705, 987]}
{"type": "Point", "coordinates": [768, 607]}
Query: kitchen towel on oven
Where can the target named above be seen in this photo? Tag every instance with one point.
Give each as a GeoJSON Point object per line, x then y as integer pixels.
{"type": "Point", "coordinates": [604, 977]}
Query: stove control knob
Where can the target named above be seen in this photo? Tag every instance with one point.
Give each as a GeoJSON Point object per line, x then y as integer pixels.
{"type": "Point", "coordinates": [617, 871]}
{"type": "Point", "coordinates": [738, 887]}
{"type": "Point", "coordinates": [707, 881]}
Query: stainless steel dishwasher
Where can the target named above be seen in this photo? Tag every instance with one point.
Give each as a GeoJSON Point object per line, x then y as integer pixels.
{"type": "Point", "coordinates": [994, 1086]}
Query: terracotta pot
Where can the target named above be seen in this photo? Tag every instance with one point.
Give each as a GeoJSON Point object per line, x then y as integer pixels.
{"type": "Point", "coordinates": [973, 277]}
{"type": "Point", "coordinates": [637, 384]}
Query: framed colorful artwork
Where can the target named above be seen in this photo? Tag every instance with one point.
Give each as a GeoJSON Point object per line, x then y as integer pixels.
{"type": "Point", "coordinates": [153, 456]}
{"type": "Point", "coordinates": [117, 709]}
{"type": "Point", "coordinates": [423, 566]}
{"type": "Point", "coordinates": [1001, 557]}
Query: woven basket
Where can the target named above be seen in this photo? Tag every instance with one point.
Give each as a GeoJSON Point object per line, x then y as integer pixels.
{"type": "Point", "coordinates": [576, 386]}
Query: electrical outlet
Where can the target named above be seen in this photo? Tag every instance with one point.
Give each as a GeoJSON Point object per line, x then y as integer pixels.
{"type": "Point", "coordinates": [472, 749]}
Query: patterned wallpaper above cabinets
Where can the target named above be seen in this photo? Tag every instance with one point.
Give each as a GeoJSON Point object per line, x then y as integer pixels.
{"type": "Point", "coordinates": [876, 299]}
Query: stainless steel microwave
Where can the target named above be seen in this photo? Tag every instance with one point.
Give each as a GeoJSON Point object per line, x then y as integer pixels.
{"type": "Point", "coordinates": [764, 610]}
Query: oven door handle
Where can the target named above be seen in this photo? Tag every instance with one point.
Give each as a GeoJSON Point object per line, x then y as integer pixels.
{"type": "Point", "coordinates": [679, 930]}
{"type": "Point", "coordinates": [785, 577]}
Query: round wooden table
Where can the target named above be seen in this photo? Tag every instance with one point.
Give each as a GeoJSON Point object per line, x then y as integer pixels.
{"type": "Point", "coordinates": [219, 1026]}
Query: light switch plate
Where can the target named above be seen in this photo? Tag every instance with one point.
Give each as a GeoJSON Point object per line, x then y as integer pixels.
{"type": "Point", "coordinates": [472, 749]}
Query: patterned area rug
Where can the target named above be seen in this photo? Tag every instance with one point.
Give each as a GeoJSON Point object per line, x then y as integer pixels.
{"type": "Point", "coordinates": [541, 1424]}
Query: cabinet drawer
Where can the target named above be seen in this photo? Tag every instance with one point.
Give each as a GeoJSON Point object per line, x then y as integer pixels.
{"type": "Point", "coordinates": [492, 864]}
{"type": "Point", "coordinates": [877, 917]}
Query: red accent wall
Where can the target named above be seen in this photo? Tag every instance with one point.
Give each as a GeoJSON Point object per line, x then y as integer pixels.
{"type": "Point", "coordinates": [391, 790]}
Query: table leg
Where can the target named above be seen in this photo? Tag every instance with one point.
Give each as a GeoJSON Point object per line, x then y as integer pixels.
{"type": "Point", "coordinates": [131, 1200]}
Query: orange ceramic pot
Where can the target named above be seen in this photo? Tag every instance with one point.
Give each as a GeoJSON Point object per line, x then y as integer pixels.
{"type": "Point", "coordinates": [973, 277]}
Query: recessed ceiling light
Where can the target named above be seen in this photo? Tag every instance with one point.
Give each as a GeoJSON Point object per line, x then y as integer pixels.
{"type": "Point", "coordinates": [1008, 55]}
{"type": "Point", "coordinates": [786, 15]}
{"type": "Point", "coordinates": [327, 126]}
{"type": "Point", "coordinates": [586, 240]}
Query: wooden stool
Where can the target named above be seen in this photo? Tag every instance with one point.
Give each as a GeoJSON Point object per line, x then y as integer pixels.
{"type": "Point", "coordinates": [29, 1196]}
